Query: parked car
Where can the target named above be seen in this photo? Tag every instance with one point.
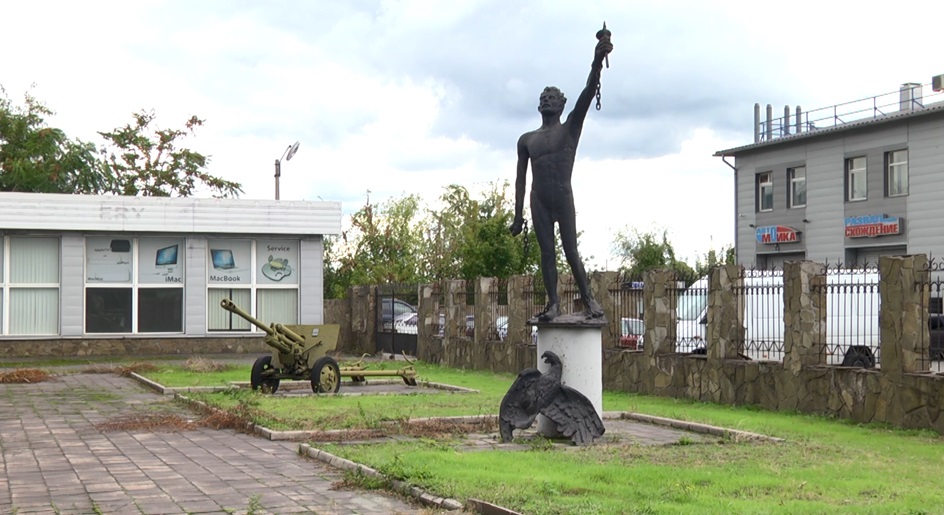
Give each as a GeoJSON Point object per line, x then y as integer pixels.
{"type": "Point", "coordinates": [501, 327]}
{"type": "Point", "coordinates": [407, 323]}
{"type": "Point", "coordinates": [631, 333]}
{"type": "Point", "coordinates": [936, 329]}
{"type": "Point", "coordinates": [391, 309]}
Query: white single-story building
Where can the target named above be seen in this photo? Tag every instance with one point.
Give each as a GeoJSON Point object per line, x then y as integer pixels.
{"type": "Point", "coordinates": [100, 267]}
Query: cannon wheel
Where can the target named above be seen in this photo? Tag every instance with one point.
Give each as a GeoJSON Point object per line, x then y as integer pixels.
{"type": "Point", "coordinates": [325, 375]}
{"type": "Point", "coordinates": [258, 382]}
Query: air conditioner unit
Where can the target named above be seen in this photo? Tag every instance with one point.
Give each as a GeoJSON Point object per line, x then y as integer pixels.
{"type": "Point", "coordinates": [937, 83]}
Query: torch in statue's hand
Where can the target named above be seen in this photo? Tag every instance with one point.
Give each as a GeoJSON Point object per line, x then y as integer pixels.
{"type": "Point", "coordinates": [604, 47]}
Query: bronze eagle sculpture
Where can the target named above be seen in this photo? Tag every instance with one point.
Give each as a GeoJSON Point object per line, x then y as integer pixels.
{"type": "Point", "coordinates": [534, 392]}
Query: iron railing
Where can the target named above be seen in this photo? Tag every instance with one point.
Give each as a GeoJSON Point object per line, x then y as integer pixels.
{"type": "Point", "coordinates": [905, 99]}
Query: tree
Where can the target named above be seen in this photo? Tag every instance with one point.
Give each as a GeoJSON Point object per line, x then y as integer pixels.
{"type": "Point", "coordinates": [382, 246]}
{"type": "Point", "coordinates": [469, 238]}
{"type": "Point", "coordinates": [641, 252]}
{"type": "Point", "coordinates": [144, 160]}
{"type": "Point", "coordinates": [37, 158]}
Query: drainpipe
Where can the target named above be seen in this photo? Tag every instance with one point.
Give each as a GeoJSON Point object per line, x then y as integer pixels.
{"type": "Point", "coordinates": [724, 159]}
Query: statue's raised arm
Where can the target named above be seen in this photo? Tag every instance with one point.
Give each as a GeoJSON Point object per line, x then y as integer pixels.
{"type": "Point", "coordinates": [576, 117]}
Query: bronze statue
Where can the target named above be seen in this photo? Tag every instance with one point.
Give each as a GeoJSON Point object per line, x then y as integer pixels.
{"type": "Point", "coordinates": [552, 149]}
{"type": "Point", "coordinates": [533, 392]}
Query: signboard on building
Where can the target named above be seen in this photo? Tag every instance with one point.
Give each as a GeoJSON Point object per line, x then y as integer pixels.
{"type": "Point", "coordinates": [870, 226]}
{"type": "Point", "coordinates": [776, 234]}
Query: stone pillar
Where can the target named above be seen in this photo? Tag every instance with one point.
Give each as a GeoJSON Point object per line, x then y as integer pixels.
{"type": "Point", "coordinates": [600, 283]}
{"type": "Point", "coordinates": [455, 314]}
{"type": "Point", "coordinates": [725, 312]}
{"type": "Point", "coordinates": [363, 319]}
{"type": "Point", "coordinates": [904, 312]}
{"type": "Point", "coordinates": [659, 299]}
{"type": "Point", "coordinates": [427, 315]}
{"type": "Point", "coordinates": [519, 310]}
{"type": "Point", "coordinates": [576, 340]}
{"type": "Point", "coordinates": [484, 315]}
{"type": "Point", "coordinates": [804, 315]}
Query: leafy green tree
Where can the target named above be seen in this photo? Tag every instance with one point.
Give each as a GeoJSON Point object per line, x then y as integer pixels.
{"type": "Point", "coordinates": [382, 246]}
{"type": "Point", "coordinates": [38, 158]}
{"type": "Point", "coordinates": [145, 160]}
{"type": "Point", "coordinates": [641, 252]}
{"type": "Point", "coordinates": [469, 237]}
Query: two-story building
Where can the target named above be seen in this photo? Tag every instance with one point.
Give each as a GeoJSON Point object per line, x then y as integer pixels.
{"type": "Point", "coordinates": [847, 183]}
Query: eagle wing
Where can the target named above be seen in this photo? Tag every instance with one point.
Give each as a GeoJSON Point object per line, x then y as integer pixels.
{"type": "Point", "coordinates": [520, 406]}
{"type": "Point", "coordinates": [574, 415]}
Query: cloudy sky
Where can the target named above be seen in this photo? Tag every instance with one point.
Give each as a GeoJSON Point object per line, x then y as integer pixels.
{"type": "Point", "coordinates": [397, 97]}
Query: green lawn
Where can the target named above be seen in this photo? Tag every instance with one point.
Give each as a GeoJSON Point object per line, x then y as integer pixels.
{"type": "Point", "coordinates": [825, 466]}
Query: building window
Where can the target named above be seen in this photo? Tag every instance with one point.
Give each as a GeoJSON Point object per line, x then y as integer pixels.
{"type": "Point", "coordinates": [896, 173]}
{"type": "Point", "coordinates": [134, 285]}
{"type": "Point", "coordinates": [32, 287]}
{"type": "Point", "coordinates": [765, 191]}
{"type": "Point", "coordinates": [259, 276]}
{"type": "Point", "coordinates": [856, 179]}
{"type": "Point", "coordinates": [797, 178]}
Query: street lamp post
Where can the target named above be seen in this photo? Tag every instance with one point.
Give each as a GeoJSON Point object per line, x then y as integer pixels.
{"type": "Point", "coordinates": [287, 155]}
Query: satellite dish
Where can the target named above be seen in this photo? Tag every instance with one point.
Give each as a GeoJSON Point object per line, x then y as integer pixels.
{"type": "Point", "coordinates": [291, 151]}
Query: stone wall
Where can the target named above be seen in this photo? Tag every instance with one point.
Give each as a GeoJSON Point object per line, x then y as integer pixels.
{"type": "Point", "coordinates": [74, 347]}
{"type": "Point", "coordinates": [895, 393]}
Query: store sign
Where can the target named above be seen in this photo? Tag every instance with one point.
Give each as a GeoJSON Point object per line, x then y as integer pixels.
{"type": "Point", "coordinates": [276, 261]}
{"type": "Point", "coordinates": [870, 226]}
{"type": "Point", "coordinates": [775, 234]}
{"type": "Point", "coordinates": [230, 262]}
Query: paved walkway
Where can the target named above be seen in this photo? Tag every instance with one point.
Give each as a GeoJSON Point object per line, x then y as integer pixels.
{"type": "Point", "coordinates": [54, 460]}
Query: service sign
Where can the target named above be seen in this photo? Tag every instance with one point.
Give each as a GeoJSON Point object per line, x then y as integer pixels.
{"type": "Point", "coordinates": [776, 234]}
{"type": "Point", "coordinates": [870, 226]}
{"type": "Point", "coordinates": [277, 261]}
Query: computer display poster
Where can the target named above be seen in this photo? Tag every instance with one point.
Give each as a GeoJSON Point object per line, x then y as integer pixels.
{"type": "Point", "coordinates": [108, 259]}
{"type": "Point", "coordinates": [229, 262]}
{"type": "Point", "coordinates": [276, 261]}
{"type": "Point", "coordinates": [161, 260]}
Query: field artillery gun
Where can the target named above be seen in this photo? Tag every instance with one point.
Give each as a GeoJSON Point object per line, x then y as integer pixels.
{"type": "Point", "coordinates": [300, 353]}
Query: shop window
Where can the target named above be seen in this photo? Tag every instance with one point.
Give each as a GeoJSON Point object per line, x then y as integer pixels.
{"type": "Point", "coordinates": [134, 285]}
{"type": "Point", "coordinates": [896, 173]}
{"type": "Point", "coordinates": [218, 319]}
{"type": "Point", "coordinates": [33, 286]}
{"type": "Point", "coordinates": [259, 276]}
{"type": "Point", "coordinates": [108, 310]}
{"type": "Point", "coordinates": [856, 179]}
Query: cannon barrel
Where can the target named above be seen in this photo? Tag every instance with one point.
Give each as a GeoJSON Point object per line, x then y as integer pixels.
{"type": "Point", "coordinates": [230, 306]}
{"type": "Point", "coordinates": [278, 337]}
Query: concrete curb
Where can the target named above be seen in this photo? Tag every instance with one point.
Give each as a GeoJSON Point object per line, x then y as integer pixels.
{"type": "Point", "coordinates": [694, 427]}
{"type": "Point", "coordinates": [399, 486]}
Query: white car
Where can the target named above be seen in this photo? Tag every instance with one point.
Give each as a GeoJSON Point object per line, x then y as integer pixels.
{"type": "Point", "coordinates": [501, 327]}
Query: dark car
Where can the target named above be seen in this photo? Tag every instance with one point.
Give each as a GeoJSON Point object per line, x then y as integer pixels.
{"type": "Point", "coordinates": [936, 329]}
{"type": "Point", "coordinates": [391, 309]}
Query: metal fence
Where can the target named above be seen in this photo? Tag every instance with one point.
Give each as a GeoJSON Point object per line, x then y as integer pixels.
{"type": "Point", "coordinates": [498, 303]}
{"type": "Point", "coordinates": [760, 301]}
{"type": "Point", "coordinates": [626, 294]}
{"type": "Point", "coordinates": [534, 293]}
{"type": "Point", "coordinates": [395, 317]}
{"type": "Point", "coordinates": [852, 315]}
{"type": "Point", "coordinates": [691, 308]}
{"type": "Point", "coordinates": [930, 345]}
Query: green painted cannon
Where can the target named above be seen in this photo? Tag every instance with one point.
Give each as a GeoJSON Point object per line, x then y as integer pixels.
{"type": "Point", "coordinates": [300, 353]}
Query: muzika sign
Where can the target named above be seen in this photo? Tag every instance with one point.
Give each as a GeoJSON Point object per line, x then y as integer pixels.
{"type": "Point", "coordinates": [870, 226]}
{"type": "Point", "coordinates": [772, 234]}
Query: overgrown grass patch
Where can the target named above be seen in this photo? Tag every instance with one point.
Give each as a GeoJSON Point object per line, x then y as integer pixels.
{"type": "Point", "coordinates": [815, 475]}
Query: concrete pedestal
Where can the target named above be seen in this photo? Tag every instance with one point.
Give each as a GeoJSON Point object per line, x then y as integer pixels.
{"type": "Point", "coordinates": [578, 343]}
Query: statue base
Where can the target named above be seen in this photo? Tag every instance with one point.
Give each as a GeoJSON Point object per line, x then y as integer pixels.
{"type": "Point", "coordinates": [578, 341]}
